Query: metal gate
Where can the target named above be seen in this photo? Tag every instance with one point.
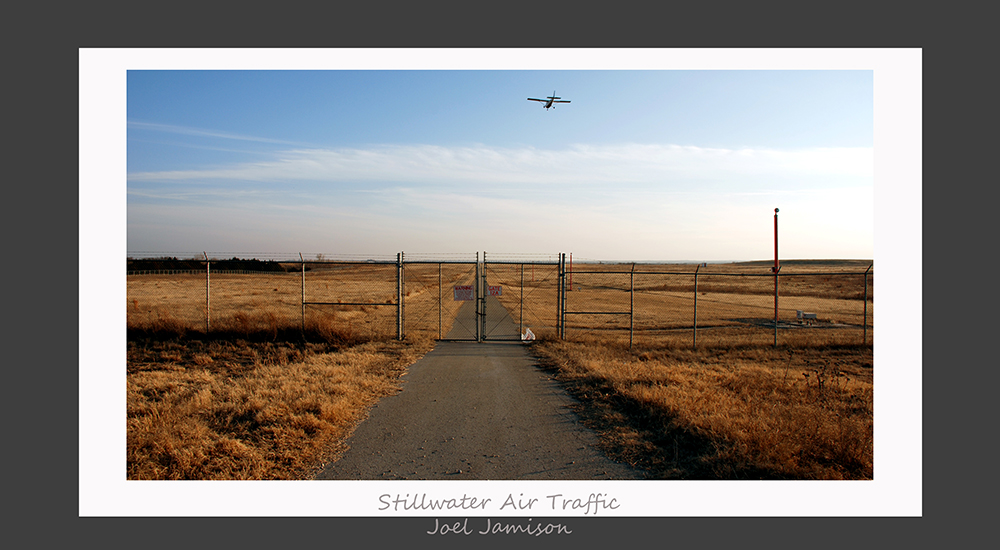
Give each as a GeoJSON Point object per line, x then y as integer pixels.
{"type": "Point", "coordinates": [509, 298]}
{"type": "Point", "coordinates": [519, 297]}
{"type": "Point", "coordinates": [440, 298]}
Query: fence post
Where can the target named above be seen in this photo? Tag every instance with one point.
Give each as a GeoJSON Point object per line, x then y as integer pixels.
{"type": "Point", "coordinates": [776, 269]}
{"type": "Point", "coordinates": [559, 312]}
{"type": "Point", "coordinates": [631, 305]}
{"type": "Point", "coordinates": [520, 320]}
{"type": "Point", "coordinates": [864, 322]}
{"type": "Point", "coordinates": [400, 330]}
{"type": "Point", "coordinates": [562, 296]}
{"type": "Point", "coordinates": [208, 304]}
{"type": "Point", "coordinates": [476, 296]}
{"type": "Point", "coordinates": [302, 301]}
{"type": "Point", "coordinates": [559, 296]}
{"type": "Point", "coordinates": [439, 300]}
{"type": "Point", "coordinates": [694, 332]}
{"type": "Point", "coordinates": [483, 292]}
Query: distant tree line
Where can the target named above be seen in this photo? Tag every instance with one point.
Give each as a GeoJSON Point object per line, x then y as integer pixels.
{"type": "Point", "coordinates": [172, 263]}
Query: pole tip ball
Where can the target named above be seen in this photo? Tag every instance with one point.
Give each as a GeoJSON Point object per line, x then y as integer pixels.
{"type": "Point", "coordinates": [775, 210]}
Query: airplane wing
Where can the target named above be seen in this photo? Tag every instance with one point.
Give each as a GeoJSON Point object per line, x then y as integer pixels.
{"type": "Point", "coordinates": [563, 101]}
{"type": "Point", "coordinates": [533, 99]}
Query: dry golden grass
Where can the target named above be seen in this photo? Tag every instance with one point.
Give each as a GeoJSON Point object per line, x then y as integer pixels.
{"type": "Point", "coordinates": [735, 297]}
{"type": "Point", "coordinates": [734, 303]}
{"type": "Point", "coordinates": [263, 407]}
{"type": "Point", "coordinates": [358, 299]}
{"type": "Point", "coordinates": [245, 410]}
{"type": "Point", "coordinates": [716, 413]}
{"type": "Point", "coordinates": [264, 393]}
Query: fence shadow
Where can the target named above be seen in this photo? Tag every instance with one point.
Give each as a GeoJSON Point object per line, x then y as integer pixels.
{"type": "Point", "coordinates": [649, 440]}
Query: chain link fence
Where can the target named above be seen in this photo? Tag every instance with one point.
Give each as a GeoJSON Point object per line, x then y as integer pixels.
{"type": "Point", "coordinates": [430, 307]}
{"type": "Point", "coordinates": [719, 305]}
{"type": "Point", "coordinates": [473, 297]}
{"type": "Point", "coordinates": [528, 291]}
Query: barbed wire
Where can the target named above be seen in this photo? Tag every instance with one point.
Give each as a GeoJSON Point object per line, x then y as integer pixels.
{"type": "Point", "coordinates": [263, 256]}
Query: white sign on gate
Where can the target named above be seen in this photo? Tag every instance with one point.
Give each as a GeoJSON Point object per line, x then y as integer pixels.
{"type": "Point", "coordinates": [463, 292]}
{"type": "Point", "coordinates": [495, 290]}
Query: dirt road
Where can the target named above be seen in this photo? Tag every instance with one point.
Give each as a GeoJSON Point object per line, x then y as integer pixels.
{"type": "Point", "coordinates": [475, 411]}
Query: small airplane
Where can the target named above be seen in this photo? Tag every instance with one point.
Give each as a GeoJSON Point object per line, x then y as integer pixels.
{"type": "Point", "coordinates": [549, 101]}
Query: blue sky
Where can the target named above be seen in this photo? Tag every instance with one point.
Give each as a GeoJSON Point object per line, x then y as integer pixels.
{"type": "Point", "coordinates": [664, 165]}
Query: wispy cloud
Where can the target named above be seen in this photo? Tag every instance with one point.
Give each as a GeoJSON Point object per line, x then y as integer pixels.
{"type": "Point", "coordinates": [189, 193]}
{"type": "Point", "coordinates": [188, 131]}
{"type": "Point", "coordinates": [638, 200]}
{"type": "Point", "coordinates": [577, 165]}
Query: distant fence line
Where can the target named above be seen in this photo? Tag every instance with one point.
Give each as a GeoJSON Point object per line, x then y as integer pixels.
{"type": "Point", "coordinates": [543, 295]}
{"type": "Point", "coordinates": [199, 272]}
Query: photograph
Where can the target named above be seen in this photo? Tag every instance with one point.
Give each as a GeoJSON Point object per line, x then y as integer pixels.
{"type": "Point", "coordinates": [441, 283]}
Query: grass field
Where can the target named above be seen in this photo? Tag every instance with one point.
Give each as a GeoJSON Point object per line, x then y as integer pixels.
{"type": "Point", "coordinates": [353, 300]}
{"type": "Point", "coordinates": [251, 410]}
{"type": "Point", "coordinates": [734, 303]}
{"type": "Point", "coordinates": [658, 304]}
{"type": "Point", "coordinates": [743, 413]}
{"type": "Point", "coordinates": [267, 385]}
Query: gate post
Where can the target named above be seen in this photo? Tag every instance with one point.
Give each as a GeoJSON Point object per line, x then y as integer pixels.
{"type": "Point", "coordinates": [559, 311]}
{"type": "Point", "coordinates": [520, 320]}
{"type": "Point", "coordinates": [479, 337]}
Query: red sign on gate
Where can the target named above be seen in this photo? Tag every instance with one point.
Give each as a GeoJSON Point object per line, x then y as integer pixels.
{"type": "Point", "coordinates": [463, 292]}
{"type": "Point", "coordinates": [495, 290]}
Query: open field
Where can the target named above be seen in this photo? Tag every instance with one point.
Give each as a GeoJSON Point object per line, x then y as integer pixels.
{"type": "Point", "coordinates": [733, 303]}
{"type": "Point", "coordinates": [658, 304]}
{"type": "Point", "coordinates": [746, 413]}
{"type": "Point", "coordinates": [246, 410]}
{"type": "Point", "coordinates": [269, 379]}
{"type": "Point", "coordinates": [354, 300]}
{"type": "Point", "coordinates": [265, 410]}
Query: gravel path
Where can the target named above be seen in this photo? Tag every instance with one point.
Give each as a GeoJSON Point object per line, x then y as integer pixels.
{"type": "Point", "coordinates": [475, 411]}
